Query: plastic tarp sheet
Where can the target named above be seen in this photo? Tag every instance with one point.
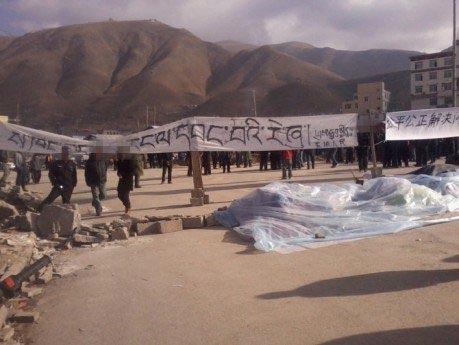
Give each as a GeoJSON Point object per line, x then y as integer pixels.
{"type": "Point", "coordinates": [286, 217]}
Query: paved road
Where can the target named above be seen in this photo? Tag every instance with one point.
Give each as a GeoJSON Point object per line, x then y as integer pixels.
{"type": "Point", "coordinates": [208, 287]}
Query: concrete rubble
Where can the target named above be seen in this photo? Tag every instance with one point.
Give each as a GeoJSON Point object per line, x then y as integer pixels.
{"type": "Point", "coordinates": [26, 236]}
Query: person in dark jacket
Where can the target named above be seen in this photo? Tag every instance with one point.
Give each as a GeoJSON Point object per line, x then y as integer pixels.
{"type": "Point", "coordinates": [95, 174]}
{"type": "Point", "coordinates": [166, 159]}
{"type": "Point", "coordinates": [264, 155]}
{"type": "Point", "coordinates": [214, 155]}
{"type": "Point", "coordinates": [206, 163]}
{"type": "Point", "coordinates": [225, 159]}
{"type": "Point", "coordinates": [63, 177]}
{"type": "Point", "coordinates": [310, 158]}
{"type": "Point", "coordinates": [125, 171]}
{"type": "Point", "coordinates": [189, 163]}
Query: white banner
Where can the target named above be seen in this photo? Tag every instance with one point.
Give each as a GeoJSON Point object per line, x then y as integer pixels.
{"type": "Point", "coordinates": [203, 134]}
{"type": "Point", "coordinates": [23, 139]}
{"type": "Point", "coordinates": [423, 124]}
{"type": "Point", "coordinates": [248, 134]}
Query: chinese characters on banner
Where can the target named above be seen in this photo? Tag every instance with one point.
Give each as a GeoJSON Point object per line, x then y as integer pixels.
{"type": "Point", "coordinates": [423, 124]}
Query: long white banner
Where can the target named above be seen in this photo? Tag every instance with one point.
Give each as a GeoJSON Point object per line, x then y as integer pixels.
{"type": "Point", "coordinates": [423, 124]}
{"type": "Point", "coordinates": [23, 139]}
{"type": "Point", "coordinates": [203, 134]}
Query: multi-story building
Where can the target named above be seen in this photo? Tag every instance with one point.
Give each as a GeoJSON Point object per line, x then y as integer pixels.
{"type": "Point", "coordinates": [432, 80]}
{"type": "Point", "coordinates": [370, 102]}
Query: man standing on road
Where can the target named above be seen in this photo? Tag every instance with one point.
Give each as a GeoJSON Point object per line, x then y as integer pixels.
{"type": "Point", "coordinates": [287, 157]}
{"type": "Point", "coordinates": [4, 166]}
{"type": "Point", "coordinates": [95, 174]}
{"type": "Point", "coordinates": [22, 172]}
{"type": "Point", "coordinates": [125, 170]}
{"type": "Point", "coordinates": [63, 177]}
{"type": "Point", "coordinates": [167, 167]}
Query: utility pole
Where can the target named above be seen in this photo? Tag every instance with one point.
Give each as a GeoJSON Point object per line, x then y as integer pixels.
{"type": "Point", "coordinates": [454, 86]}
{"type": "Point", "coordinates": [154, 115]}
{"type": "Point", "coordinates": [147, 122]}
{"type": "Point", "coordinates": [254, 99]}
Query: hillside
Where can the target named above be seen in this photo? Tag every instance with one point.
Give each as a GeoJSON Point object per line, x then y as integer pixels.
{"type": "Point", "coordinates": [110, 71]}
{"type": "Point", "coordinates": [235, 47]}
{"type": "Point", "coordinates": [349, 64]}
{"type": "Point", "coordinates": [269, 73]}
{"type": "Point", "coordinates": [104, 75]}
{"type": "Point", "coordinates": [4, 41]}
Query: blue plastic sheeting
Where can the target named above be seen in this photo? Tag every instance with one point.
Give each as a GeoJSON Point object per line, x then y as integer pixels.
{"type": "Point", "coordinates": [286, 217]}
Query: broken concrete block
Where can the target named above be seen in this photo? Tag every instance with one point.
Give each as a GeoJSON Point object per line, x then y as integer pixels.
{"type": "Point", "coordinates": [120, 234]}
{"type": "Point", "coordinates": [24, 317]}
{"type": "Point", "coordinates": [46, 276]}
{"type": "Point", "coordinates": [206, 199]}
{"type": "Point", "coordinates": [197, 201]}
{"type": "Point", "coordinates": [209, 220]}
{"type": "Point", "coordinates": [31, 291]}
{"type": "Point", "coordinates": [6, 333]}
{"type": "Point", "coordinates": [84, 239]}
{"type": "Point", "coordinates": [145, 229]}
{"type": "Point", "coordinates": [103, 226]}
{"type": "Point", "coordinates": [27, 222]}
{"type": "Point", "coordinates": [102, 235]}
{"type": "Point", "coordinates": [194, 222]}
{"type": "Point", "coordinates": [167, 226]}
{"type": "Point", "coordinates": [55, 219]}
{"type": "Point", "coordinates": [3, 315]}
{"type": "Point", "coordinates": [7, 210]}
{"type": "Point", "coordinates": [121, 223]}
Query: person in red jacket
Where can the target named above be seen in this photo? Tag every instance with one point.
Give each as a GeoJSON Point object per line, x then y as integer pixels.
{"type": "Point", "coordinates": [287, 156]}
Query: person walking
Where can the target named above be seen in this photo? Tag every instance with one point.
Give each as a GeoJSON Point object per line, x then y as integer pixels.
{"type": "Point", "coordinates": [334, 161]}
{"type": "Point", "coordinates": [21, 171]}
{"type": "Point", "coordinates": [35, 168]}
{"type": "Point", "coordinates": [214, 155]}
{"type": "Point", "coordinates": [287, 157]}
{"type": "Point", "coordinates": [189, 163]}
{"type": "Point", "coordinates": [166, 159]}
{"type": "Point", "coordinates": [4, 166]}
{"type": "Point", "coordinates": [63, 177]}
{"type": "Point", "coordinates": [126, 172]}
{"type": "Point", "coordinates": [247, 158]}
{"type": "Point", "coordinates": [95, 174]}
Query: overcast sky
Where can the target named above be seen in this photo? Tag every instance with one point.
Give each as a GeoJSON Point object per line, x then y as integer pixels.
{"type": "Point", "coordinates": [423, 25]}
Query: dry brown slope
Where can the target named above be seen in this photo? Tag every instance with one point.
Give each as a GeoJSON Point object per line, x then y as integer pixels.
{"type": "Point", "coordinates": [267, 72]}
{"type": "Point", "coordinates": [84, 72]}
{"type": "Point", "coordinates": [350, 64]}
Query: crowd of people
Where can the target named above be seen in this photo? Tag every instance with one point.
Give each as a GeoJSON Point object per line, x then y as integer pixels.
{"type": "Point", "coordinates": [129, 167]}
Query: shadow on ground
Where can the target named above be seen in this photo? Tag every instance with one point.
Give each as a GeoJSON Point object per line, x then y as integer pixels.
{"type": "Point", "coordinates": [452, 259]}
{"type": "Point", "coordinates": [434, 335]}
{"type": "Point", "coordinates": [368, 284]}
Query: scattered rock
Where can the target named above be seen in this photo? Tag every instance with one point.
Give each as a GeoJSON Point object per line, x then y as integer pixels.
{"type": "Point", "coordinates": [3, 315]}
{"type": "Point", "coordinates": [7, 210]}
{"type": "Point", "coordinates": [319, 235]}
{"type": "Point", "coordinates": [194, 222]}
{"type": "Point", "coordinates": [85, 239]}
{"type": "Point", "coordinates": [121, 233]}
{"type": "Point", "coordinates": [6, 333]}
{"type": "Point", "coordinates": [55, 219]}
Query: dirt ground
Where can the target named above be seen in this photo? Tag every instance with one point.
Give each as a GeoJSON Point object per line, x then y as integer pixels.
{"type": "Point", "coordinates": [208, 287]}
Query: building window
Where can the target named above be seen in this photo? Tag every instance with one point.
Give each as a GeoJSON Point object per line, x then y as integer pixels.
{"type": "Point", "coordinates": [432, 75]}
{"type": "Point", "coordinates": [446, 86]}
{"type": "Point", "coordinates": [418, 77]}
{"type": "Point", "coordinates": [366, 98]}
{"type": "Point", "coordinates": [448, 101]}
{"type": "Point", "coordinates": [448, 73]}
{"type": "Point", "coordinates": [433, 101]}
{"type": "Point", "coordinates": [418, 65]}
{"type": "Point", "coordinates": [433, 88]}
{"type": "Point", "coordinates": [418, 89]}
{"type": "Point", "coordinates": [433, 63]}
{"type": "Point", "coordinates": [448, 61]}
{"type": "Point", "coordinates": [347, 106]}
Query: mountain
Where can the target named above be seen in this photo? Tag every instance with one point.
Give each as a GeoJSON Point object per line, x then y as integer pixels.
{"type": "Point", "coordinates": [104, 75]}
{"type": "Point", "coordinates": [109, 71]}
{"type": "Point", "coordinates": [270, 74]}
{"type": "Point", "coordinates": [349, 64]}
{"type": "Point", "coordinates": [4, 41]}
{"type": "Point", "coordinates": [235, 47]}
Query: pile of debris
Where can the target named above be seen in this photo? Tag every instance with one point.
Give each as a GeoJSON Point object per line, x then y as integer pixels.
{"type": "Point", "coordinates": [25, 265]}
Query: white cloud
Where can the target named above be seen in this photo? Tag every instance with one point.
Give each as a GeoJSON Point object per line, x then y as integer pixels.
{"type": "Point", "coordinates": [424, 25]}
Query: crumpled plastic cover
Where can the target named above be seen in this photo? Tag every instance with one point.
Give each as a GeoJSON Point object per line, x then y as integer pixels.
{"type": "Point", "coordinates": [286, 217]}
